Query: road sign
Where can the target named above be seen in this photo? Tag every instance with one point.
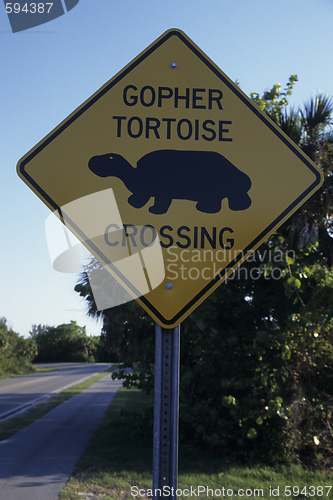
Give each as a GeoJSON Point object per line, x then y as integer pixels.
{"type": "Point", "coordinates": [187, 155]}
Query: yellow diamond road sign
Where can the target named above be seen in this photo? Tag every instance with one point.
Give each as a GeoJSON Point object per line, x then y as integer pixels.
{"type": "Point", "coordinates": [194, 166]}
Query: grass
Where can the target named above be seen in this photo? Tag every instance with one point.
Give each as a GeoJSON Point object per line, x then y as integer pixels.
{"type": "Point", "coordinates": [118, 459]}
{"type": "Point", "coordinates": [11, 425]}
{"type": "Point", "coordinates": [31, 370]}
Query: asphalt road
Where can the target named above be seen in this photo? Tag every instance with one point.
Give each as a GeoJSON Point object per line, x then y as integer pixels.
{"type": "Point", "coordinates": [36, 462]}
{"type": "Point", "coordinates": [20, 391]}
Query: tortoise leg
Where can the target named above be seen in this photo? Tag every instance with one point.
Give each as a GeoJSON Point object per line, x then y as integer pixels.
{"type": "Point", "coordinates": [239, 202]}
{"type": "Point", "coordinates": [138, 200]}
{"type": "Point", "coordinates": [160, 206]}
{"type": "Point", "coordinates": [209, 207]}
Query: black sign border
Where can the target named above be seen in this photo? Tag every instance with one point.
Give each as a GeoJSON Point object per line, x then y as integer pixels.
{"type": "Point", "coordinates": [246, 101]}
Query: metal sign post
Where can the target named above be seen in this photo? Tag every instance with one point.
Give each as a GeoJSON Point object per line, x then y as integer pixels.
{"type": "Point", "coordinates": [166, 412]}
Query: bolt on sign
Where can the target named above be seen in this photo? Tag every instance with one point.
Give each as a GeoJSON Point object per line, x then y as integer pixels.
{"type": "Point", "coordinates": [195, 168]}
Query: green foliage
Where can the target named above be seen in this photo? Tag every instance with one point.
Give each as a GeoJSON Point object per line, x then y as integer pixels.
{"type": "Point", "coordinates": [121, 458]}
{"type": "Point", "coordinates": [16, 352]}
{"type": "Point", "coordinates": [63, 343]}
{"type": "Point", "coordinates": [273, 101]}
{"type": "Point", "coordinates": [256, 362]}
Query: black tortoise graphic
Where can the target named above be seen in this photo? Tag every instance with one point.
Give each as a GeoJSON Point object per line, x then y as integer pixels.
{"type": "Point", "coordinates": [206, 177]}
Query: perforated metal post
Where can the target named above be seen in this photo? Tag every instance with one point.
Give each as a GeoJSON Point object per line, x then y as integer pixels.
{"type": "Point", "coordinates": [166, 411]}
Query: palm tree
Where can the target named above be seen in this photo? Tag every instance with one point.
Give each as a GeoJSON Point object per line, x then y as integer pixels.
{"type": "Point", "coordinates": [311, 129]}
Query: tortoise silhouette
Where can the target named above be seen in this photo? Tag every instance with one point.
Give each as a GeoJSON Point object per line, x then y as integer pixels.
{"type": "Point", "coordinates": [206, 177]}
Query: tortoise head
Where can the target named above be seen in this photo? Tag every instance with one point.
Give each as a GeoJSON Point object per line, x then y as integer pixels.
{"type": "Point", "coordinates": [104, 165]}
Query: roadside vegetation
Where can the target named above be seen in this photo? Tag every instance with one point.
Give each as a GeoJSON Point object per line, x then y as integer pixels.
{"type": "Point", "coordinates": [33, 369]}
{"type": "Point", "coordinates": [66, 343]}
{"type": "Point", "coordinates": [70, 343]}
{"type": "Point", "coordinates": [117, 465]}
{"type": "Point", "coordinates": [49, 344]}
{"type": "Point", "coordinates": [16, 352]}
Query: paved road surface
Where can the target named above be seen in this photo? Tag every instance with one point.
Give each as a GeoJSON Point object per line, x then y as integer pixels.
{"type": "Point", "coordinates": [20, 391]}
{"type": "Point", "coordinates": [36, 462]}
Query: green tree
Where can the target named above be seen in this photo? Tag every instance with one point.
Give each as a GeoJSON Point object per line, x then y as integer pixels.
{"type": "Point", "coordinates": [16, 352]}
{"type": "Point", "coordinates": [63, 343]}
{"type": "Point", "coordinates": [36, 329]}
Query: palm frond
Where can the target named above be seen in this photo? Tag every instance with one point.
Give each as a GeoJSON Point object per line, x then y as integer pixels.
{"type": "Point", "coordinates": [316, 116]}
{"type": "Point", "coordinates": [289, 121]}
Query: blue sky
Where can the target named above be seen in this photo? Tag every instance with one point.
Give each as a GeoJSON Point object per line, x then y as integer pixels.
{"type": "Point", "coordinates": [48, 71]}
